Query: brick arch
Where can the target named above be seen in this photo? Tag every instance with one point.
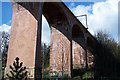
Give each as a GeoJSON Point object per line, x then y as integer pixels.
{"type": "Point", "coordinates": [59, 25]}
{"type": "Point", "coordinates": [54, 13]}
{"type": "Point", "coordinates": [58, 22]}
{"type": "Point", "coordinates": [78, 51]}
{"type": "Point", "coordinates": [26, 35]}
{"type": "Point", "coordinates": [78, 35]}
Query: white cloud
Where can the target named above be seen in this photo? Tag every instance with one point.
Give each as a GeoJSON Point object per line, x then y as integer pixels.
{"type": "Point", "coordinates": [5, 27]}
{"type": "Point", "coordinates": [0, 27]}
{"type": "Point", "coordinates": [101, 16]}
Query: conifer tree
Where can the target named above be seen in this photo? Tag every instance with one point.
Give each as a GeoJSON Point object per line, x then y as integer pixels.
{"type": "Point", "coordinates": [17, 71]}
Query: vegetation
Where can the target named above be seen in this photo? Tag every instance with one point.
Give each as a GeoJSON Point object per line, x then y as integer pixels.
{"type": "Point", "coordinates": [45, 49]}
{"type": "Point", "coordinates": [4, 38]}
{"type": "Point", "coordinates": [18, 72]}
{"type": "Point", "coordinates": [106, 41]}
{"type": "Point", "coordinates": [4, 47]}
{"type": "Point", "coordinates": [106, 62]}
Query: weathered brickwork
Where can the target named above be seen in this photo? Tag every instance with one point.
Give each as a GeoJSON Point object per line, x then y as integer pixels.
{"type": "Point", "coordinates": [25, 40]}
{"type": "Point", "coordinates": [78, 55]}
{"type": "Point", "coordinates": [59, 52]}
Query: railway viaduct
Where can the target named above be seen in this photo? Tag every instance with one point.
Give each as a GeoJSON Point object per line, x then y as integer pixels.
{"type": "Point", "coordinates": [70, 43]}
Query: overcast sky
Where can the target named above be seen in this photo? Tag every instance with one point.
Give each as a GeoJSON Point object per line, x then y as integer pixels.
{"type": "Point", "coordinates": [102, 15]}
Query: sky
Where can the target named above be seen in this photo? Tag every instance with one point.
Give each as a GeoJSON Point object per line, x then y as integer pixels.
{"type": "Point", "coordinates": [6, 14]}
{"type": "Point", "coordinates": [102, 15]}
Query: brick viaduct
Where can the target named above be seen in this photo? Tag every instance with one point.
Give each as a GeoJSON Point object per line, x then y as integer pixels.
{"type": "Point", "coordinates": [70, 42]}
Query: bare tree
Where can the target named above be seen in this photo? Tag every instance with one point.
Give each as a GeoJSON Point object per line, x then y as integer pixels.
{"type": "Point", "coordinates": [4, 47]}
{"type": "Point", "coordinates": [4, 40]}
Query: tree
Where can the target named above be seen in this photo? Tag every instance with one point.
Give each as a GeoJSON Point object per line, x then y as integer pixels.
{"type": "Point", "coordinates": [4, 47]}
{"type": "Point", "coordinates": [4, 40]}
{"type": "Point", "coordinates": [18, 72]}
{"type": "Point", "coordinates": [45, 49]}
{"type": "Point", "coordinates": [107, 41]}
{"type": "Point", "coordinates": [106, 61]}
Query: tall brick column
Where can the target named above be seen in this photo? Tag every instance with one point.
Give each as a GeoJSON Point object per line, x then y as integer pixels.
{"type": "Point", "coordinates": [78, 54]}
{"type": "Point", "coordinates": [25, 39]}
{"type": "Point", "coordinates": [59, 53]}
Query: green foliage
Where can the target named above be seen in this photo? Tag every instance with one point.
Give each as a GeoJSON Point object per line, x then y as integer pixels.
{"type": "Point", "coordinates": [17, 71]}
{"type": "Point", "coordinates": [45, 49]}
{"type": "Point", "coordinates": [76, 78]}
{"type": "Point", "coordinates": [83, 74]}
{"type": "Point", "coordinates": [88, 75]}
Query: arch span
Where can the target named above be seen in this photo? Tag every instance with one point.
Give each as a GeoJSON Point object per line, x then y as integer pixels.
{"type": "Point", "coordinates": [78, 52]}
{"type": "Point", "coordinates": [25, 41]}
{"type": "Point", "coordinates": [60, 38]}
{"type": "Point", "coordinates": [26, 35]}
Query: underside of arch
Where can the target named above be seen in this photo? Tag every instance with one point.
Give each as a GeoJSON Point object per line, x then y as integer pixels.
{"type": "Point", "coordinates": [60, 38]}
{"type": "Point", "coordinates": [78, 51]}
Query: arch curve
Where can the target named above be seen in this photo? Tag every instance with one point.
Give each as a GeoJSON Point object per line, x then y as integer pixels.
{"type": "Point", "coordinates": [54, 13]}
{"type": "Point", "coordinates": [77, 34]}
